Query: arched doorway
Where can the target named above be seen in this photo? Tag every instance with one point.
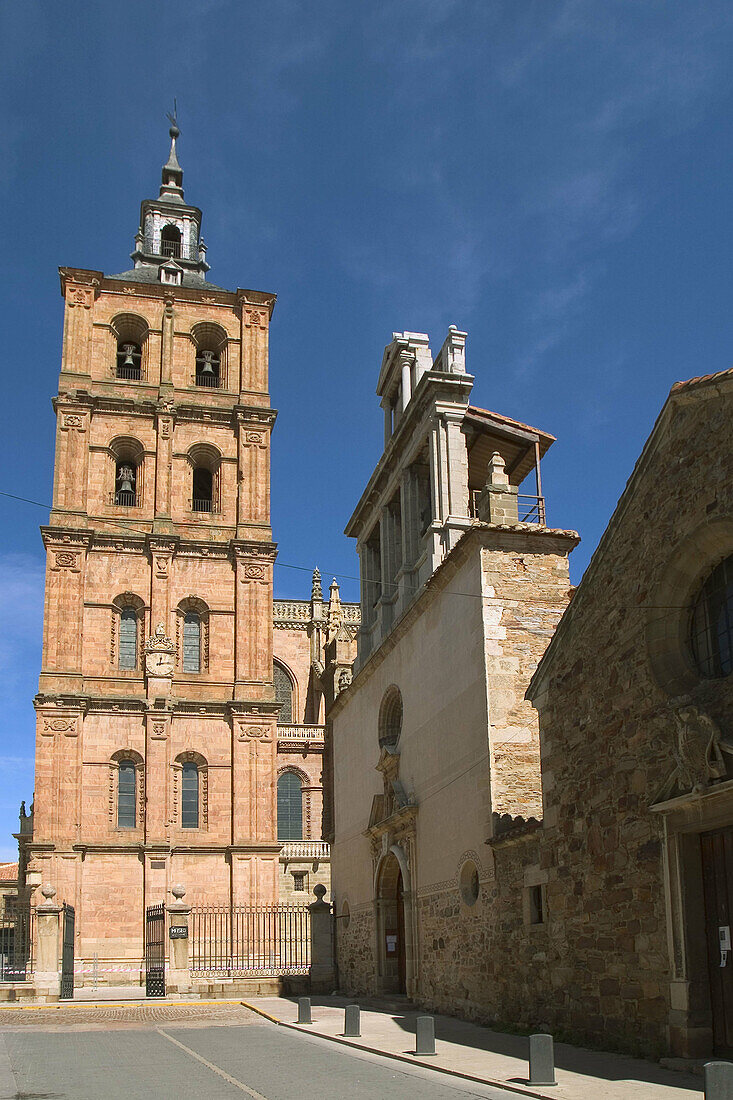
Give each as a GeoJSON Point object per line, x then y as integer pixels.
{"type": "Point", "coordinates": [392, 927]}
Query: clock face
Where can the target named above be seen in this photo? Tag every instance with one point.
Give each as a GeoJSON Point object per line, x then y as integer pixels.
{"type": "Point", "coordinates": [159, 664]}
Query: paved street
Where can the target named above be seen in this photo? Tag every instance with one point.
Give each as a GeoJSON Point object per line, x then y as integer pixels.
{"type": "Point", "coordinates": [195, 1053]}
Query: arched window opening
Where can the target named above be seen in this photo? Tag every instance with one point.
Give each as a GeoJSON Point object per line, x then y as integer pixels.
{"type": "Point", "coordinates": [203, 490]}
{"type": "Point", "coordinates": [170, 241]}
{"type": "Point", "coordinates": [283, 694]}
{"type": "Point", "coordinates": [126, 484]}
{"type": "Point", "coordinates": [128, 638]}
{"type": "Point", "coordinates": [208, 368]}
{"type": "Point", "coordinates": [126, 795]}
{"type": "Point", "coordinates": [192, 642]}
{"type": "Point", "coordinates": [390, 718]}
{"type": "Point", "coordinates": [129, 360]}
{"type": "Point", "coordinates": [190, 796]}
{"type": "Point", "coordinates": [289, 807]}
{"type": "Point", "coordinates": [711, 625]}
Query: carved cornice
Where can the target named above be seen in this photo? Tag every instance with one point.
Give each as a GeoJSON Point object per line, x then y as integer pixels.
{"type": "Point", "coordinates": [58, 538]}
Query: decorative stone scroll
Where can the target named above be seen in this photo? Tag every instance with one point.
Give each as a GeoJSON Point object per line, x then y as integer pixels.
{"type": "Point", "coordinates": [67, 726]}
{"type": "Point", "coordinates": [253, 732]}
{"type": "Point", "coordinates": [66, 559]}
{"type": "Point", "coordinates": [75, 421]}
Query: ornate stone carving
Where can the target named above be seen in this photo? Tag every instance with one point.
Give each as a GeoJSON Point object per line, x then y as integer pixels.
{"type": "Point", "coordinates": [159, 653]}
{"type": "Point", "coordinates": [73, 420]}
{"type": "Point", "coordinates": [67, 559]}
{"type": "Point", "coordinates": [158, 731]}
{"type": "Point", "coordinates": [60, 725]}
{"type": "Point", "coordinates": [698, 750]}
{"type": "Point", "coordinates": [253, 437]}
{"type": "Point", "coordinates": [253, 572]}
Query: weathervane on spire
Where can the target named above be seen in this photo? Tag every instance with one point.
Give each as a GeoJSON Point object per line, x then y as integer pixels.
{"type": "Point", "coordinates": [173, 119]}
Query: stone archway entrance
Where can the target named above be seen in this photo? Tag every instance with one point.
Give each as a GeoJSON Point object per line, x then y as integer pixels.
{"type": "Point", "coordinates": [394, 940]}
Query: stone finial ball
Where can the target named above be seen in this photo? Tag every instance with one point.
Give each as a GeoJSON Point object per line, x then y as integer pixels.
{"type": "Point", "coordinates": [48, 891]}
{"type": "Point", "coordinates": [178, 891]}
{"type": "Point", "coordinates": [319, 891]}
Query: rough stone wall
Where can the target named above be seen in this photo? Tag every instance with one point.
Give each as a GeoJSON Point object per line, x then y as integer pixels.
{"type": "Point", "coordinates": [525, 593]}
{"type": "Point", "coordinates": [608, 738]}
{"type": "Point", "coordinates": [355, 951]}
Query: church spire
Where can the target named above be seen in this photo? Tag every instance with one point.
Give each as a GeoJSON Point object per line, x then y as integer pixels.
{"type": "Point", "coordinates": [172, 178]}
{"type": "Point", "coordinates": [169, 247]}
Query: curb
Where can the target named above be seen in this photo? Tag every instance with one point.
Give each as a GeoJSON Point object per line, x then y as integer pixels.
{"type": "Point", "coordinates": [411, 1060]}
{"type": "Point", "coordinates": [79, 1005]}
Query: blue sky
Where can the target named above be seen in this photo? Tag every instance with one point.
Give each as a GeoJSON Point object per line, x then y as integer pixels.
{"type": "Point", "coordinates": [551, 175]}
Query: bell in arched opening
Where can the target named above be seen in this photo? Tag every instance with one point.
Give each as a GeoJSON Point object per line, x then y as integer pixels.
{"type": "Point", "coordinates": [207, 369]}
{"type": "Point", "coordinates": [129, 360]}
{"type": "Point", "coordinates": [125, 484]}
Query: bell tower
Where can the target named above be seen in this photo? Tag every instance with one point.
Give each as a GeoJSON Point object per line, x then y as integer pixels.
{"type": "Point", "coordinates": [156, 714]}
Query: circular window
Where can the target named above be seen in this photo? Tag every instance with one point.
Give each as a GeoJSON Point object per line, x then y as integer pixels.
{"type": "Point", "coordinates": [711, 624]}
{"type": "Point", "coordinates": [346, 914]}
{"type": "Point", "coordinates": [469, 882]}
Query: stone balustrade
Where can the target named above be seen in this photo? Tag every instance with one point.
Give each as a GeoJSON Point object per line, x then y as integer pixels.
{"type": "Point", "coordinates": [300, 733]}
{"type": "Point", "coordinates": [306, 849]}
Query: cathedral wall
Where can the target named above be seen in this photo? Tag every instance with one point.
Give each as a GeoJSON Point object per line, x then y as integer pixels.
{"type": "Point", "coordinates": [292, 649]}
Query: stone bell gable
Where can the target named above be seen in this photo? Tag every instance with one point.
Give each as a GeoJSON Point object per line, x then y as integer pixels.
{"type": "Point", "coordinates": [635, 701]}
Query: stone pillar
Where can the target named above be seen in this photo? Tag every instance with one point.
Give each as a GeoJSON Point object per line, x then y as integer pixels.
{"type": "Point", "coordinates": [387, 420]}
{"type": "Point", "coordinates": [406, 361]}
{"type": "Point", "coordinates": [497, 502]}
{"type": "Point", "coordinates": [323, 967]}
{"type": "Point", "coordinates": [179, 967]}
{"type": "Point", "coordinates": [47, 978]}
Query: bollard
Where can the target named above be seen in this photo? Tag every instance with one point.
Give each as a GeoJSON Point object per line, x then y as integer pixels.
{"type": "Point", "coordinates": [304, 1010]}
{"type": "Point", "coordinates": [352, 1027]}
{"type": "Point", "coordinates": [541, 1060]}
{"type": "Point", "coordinates": [425, 1035]}
{"type": "Point", "coordinates": [718, 1081]}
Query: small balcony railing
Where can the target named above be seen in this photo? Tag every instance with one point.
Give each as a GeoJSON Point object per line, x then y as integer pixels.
{"type": "Point", "coordinates": [209, 381]}
{"type": "Point", "coordinates": [530, 509]}
{"type": "Point", "coordinates": [174, 250]}
{"type": "Point", "coordinates": [134, 373]}
{"type": "Point", "coordinates": [123, 498]}
{"type": "Point", "coordinates": [201, 504]}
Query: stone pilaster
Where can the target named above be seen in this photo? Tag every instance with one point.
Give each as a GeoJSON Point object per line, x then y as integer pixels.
{"type": "Point", "coordinates": [253, 564]}
{"type": "Point", "coordinates": [47, 977]}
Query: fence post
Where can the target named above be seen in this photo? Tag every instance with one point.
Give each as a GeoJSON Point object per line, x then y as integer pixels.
{"type": "Point", "coordinates": [322, 970]}
{"type": "Point", "coordinates": [179, 968]}
{"type": "Point", "coordinates": [352, 1022]}
{"type": "Point", "coordinates": [47, 978]}
{"type": "Point", "coordinates": [718, 1081]}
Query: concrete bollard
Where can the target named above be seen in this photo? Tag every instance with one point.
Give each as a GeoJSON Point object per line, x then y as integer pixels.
{"type": "Point", "coordinates": [304, 1010]}
{"type": "Point", "coordinates": [425, 1035]}
{"type": "Point", "coordinates": [541, 1060]}
{"type": "Point", "coordinates": [352, 1022]}
{"type": "Point", "coordinates": [719, 1081]}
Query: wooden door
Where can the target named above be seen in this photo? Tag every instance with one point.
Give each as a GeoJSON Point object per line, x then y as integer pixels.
{"type": "Point", "coordinates": [717, 872]}
{"type": "Point", "coordinates": [401, 969]}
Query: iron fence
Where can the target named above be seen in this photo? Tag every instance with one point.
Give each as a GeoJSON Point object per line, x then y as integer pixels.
{"type": "Point", "coordinates": [252, 939]}
{"type": "Point", "coordinates": [17, 929]}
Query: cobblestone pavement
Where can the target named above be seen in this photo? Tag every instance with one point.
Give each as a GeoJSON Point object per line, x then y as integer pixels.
{"type": "Point", "coordinates": [171, 1062]}
{"type": "Point", "coordinates": [63, 1017]}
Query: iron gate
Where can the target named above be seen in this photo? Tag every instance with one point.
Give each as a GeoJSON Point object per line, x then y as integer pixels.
{"type": "Point", "coordinates": [67, 954]}
{"type": "Point", "coordinates": [155, 951]}
{"type": "Point", "coordinates": [250, 939]}
{"type": "Point", "coordinates": [16, 942]}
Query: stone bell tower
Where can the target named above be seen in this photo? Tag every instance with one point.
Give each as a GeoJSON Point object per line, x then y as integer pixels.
{"type": "Point", "coordinates": [156, 720]}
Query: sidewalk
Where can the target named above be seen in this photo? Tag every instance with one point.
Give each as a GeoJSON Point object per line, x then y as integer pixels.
{"type": "Point", "coordinates": [467, 1050]}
